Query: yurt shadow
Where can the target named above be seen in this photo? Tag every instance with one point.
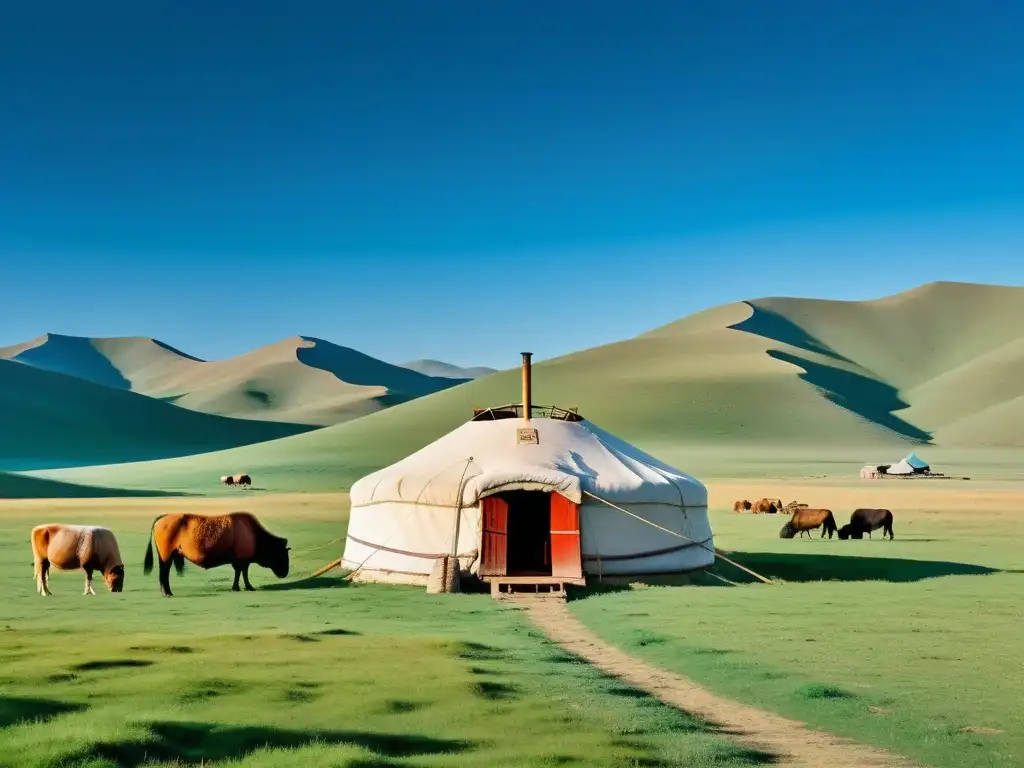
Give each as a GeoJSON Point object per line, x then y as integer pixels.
{"type": "Point", "coordinates": [794, 567]}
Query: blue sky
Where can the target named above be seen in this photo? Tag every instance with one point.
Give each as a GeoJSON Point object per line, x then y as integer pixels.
{"type": "Point", "coordinates": [468, 180]}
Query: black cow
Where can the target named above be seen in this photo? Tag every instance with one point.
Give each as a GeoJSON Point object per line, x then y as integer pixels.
{"type": "Point", "coordinates": [865, 521]}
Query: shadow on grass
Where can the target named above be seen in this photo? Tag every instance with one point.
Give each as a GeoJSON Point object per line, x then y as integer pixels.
{"type": "Point", "coordinates": [796, 568]}
{"type": "Point", "coordinates": [19, 709]}
{"type": "Point", "coordinates": [319, 582]}
{"type": "Point", "coordinates": [91, 666]}
{"type": "Point", "coordinates": [192, 742]}
{"type": "Point", "coordinates": [821, 567]}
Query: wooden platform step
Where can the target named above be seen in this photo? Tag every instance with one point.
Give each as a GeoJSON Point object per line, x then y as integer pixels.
{"type": "Point", "coordinates": [534, 589]}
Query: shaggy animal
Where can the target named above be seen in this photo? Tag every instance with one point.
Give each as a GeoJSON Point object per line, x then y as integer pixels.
{"type": "Point", "coordinates": [739, 506]}
{"type": "Point", "coordinates": [210, 541]}
{"type": "Point", "coordinates": [236, 480]}
{"type": "Point", "coordinates": [765, 506]}
{"type": "Point", "coordinates": [793, 505]}
{"type": "Point", "coordinates": [865, 521]}
{"type": "Point", "coordinates": [69, 547]}
{"type": "Point", "coordinates": [805, 520]}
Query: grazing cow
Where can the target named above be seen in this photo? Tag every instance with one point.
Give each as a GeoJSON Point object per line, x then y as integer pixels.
{"type": "Point", "coordinates": [739, 506]}
{"type": "Point", "coordinates": [236, 480]}
{"type": "Point", "coordinates": [806, 520]}
{"type": "Point", "coordinates": [209, 541]}
{"type": "Point", "coordinates": [764, 505]}
{"type": "Point", "coordinates": [865, 521]}
{"type": "Point", "coordinates": [69, 547]}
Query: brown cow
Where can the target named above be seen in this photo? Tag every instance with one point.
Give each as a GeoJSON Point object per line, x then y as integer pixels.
{"type": "Point", "coordinates": [739, 506]}
{"type": "Point", "coordinates": [806, 520]}
{"type": "Point", "coordinates": [210, 541]}
{"type": "Point", "coordinates": [69, 547]}
{"type": "Point", "coordinates": [764, 505]}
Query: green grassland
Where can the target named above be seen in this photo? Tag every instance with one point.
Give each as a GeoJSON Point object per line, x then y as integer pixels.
{"type": "Point", "coordinates": [312, 674]}
{"type": "Point", "coordinates": [911, 645]}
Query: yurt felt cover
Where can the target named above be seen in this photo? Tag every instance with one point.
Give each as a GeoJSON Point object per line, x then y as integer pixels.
{"type": "Point", "coordinates": [570, 458]}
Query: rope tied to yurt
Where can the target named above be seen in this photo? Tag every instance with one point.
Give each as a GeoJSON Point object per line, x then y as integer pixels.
{"type": "Point", "coordinates": [715, 551]}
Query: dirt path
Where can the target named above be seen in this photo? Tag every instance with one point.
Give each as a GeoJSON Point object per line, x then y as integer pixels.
{"type": "Point", "coordinates": [792, 742]}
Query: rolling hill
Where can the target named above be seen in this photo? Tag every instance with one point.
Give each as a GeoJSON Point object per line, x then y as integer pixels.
{"type": "Point", "coordinates": [51, 419]}
{"type": "Point", "coordinates": [447, 370]}
{"type": "Point", "coordinates": [300, 380]}
{"type": "Point", "coordinates": [938, 365]}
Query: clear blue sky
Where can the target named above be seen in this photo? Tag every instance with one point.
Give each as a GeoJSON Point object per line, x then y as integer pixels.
{"type": "Point", "coordinates": [466, 180]}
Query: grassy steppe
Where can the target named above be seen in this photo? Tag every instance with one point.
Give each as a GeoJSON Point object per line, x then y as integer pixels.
{"type": "Point", "coordinates": [315, 674]}
{"type": "Point", "coordinates": [911, 645]}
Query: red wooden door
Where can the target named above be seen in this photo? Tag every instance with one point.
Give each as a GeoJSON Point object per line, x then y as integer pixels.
{"type": "Point", "coordinates": [494, 539]}
{"type": "Point", "coordinates": [566, 561]}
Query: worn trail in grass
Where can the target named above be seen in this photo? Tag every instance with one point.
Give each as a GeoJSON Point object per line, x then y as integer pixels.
{"type": "Point", "coordinates": [910, 645]}
{"type": "Point", "coordinates": [314, 674]}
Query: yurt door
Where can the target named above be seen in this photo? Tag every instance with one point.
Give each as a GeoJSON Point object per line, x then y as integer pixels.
{"type": "Point", "coordinates": [566, 560]}
{"type": "Point", "coordinates": [494, 541]}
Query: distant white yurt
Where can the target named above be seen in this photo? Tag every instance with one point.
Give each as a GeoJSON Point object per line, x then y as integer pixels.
{"type": "Point", "coordinates": [552, 496]}
{"type": "Point", "coordinates": [900, 468]}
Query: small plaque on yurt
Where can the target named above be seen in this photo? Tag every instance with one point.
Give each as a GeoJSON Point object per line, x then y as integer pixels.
{"type": "Point", "coordinates": [527, 436]}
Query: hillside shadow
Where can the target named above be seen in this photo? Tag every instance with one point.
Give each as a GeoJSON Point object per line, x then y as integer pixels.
{"type": "Point", "coordinates": [74, 356]}
{"type": "Point", "coordinates": [828, 567]}
{"type": "Point", "coordinates": [353, 367]}
{"type": "Point", "coordinates": [870, 399]}
{"type": "Point", "coordinates": [773, 326]}
{"type": "Point", "coordinates": [191, 742]}
{"type": "Point", "coordinates": [15, 486]}
{"type": "Point", "coordinates": [178, 352]}
{"type": "Point", "coordinates": [15, 710]}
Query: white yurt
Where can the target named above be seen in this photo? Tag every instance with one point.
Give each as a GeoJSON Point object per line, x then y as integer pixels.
{"type": "Point", "coordinates": [549, 496]}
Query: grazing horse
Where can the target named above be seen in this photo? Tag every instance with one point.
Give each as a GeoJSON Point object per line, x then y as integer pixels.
{"type": "Point", "coordinates": [739, 506]}
{"type": "Point", "coordinates": [865, 521]}
{"type": "Point", "coordinates": [210, 541]}
{"type": "Point", "coordinates": [805, 520]}
{"type": "Point", "coordinates": [68, 547]}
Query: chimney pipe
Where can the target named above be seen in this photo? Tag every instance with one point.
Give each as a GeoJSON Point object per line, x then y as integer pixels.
{"type": "Point", "coordinates": [527, 399]}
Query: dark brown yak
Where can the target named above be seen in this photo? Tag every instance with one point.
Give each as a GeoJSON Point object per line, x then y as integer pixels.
{"type": "Point", "coordinates": [865, 521]}
{"type": "Point", "coordinates": [739, 506]}
{"type": "Point", "coordinates": [236, 480]}
{"type": "Point", "coordinates": [209, 541]}
{"type": "Point", "coordinates": [806, 520]}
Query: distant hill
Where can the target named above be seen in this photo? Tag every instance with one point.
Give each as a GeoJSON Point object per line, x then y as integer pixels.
{"type": "Point", "coordinates": [447, 370]}
{"type": "Point", "coordinates": [300, 380]}
{"type": "Point", "coordinates": [937, 365]}
{"type": "Point", "coordinates": [51, 419]}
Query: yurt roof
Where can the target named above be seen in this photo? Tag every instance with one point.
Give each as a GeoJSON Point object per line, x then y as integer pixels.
{"type": "Point", "coordinates": [570, 457]}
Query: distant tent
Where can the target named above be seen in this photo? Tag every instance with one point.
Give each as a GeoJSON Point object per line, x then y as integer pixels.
{"type": "Point", "coordinates": [915, 461]}
{"type": "Point", "coordinates": [902, 468]}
